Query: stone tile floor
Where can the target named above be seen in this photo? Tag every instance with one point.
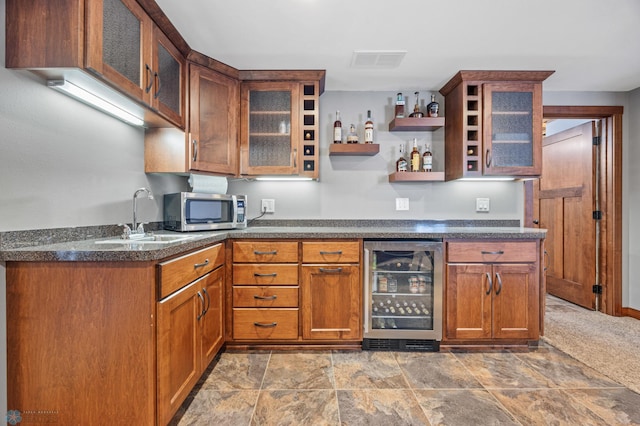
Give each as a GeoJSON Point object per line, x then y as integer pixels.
{"type": "Point", "coordinates": [537, 387]}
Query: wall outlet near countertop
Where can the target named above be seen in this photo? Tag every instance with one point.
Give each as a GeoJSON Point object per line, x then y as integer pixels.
{"type": "Point", "coordinates": [402, 204]}
{"type": "Point", "coordinates": [482, 205]}
{"type": "Point", "coordinates": [268, 206]}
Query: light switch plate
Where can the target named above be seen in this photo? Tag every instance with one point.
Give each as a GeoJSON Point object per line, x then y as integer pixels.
{"type": "Point", "coordinates": [402, 204]}
{"type": "Point", "coordinates": [482, 205]}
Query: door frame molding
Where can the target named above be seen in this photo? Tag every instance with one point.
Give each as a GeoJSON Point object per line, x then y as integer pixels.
{"type": "Point", "coordinates": [611, 198]}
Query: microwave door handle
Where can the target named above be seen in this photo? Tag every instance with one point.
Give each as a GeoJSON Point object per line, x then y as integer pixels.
{"type": "Point", "coordinates": [234, 202]}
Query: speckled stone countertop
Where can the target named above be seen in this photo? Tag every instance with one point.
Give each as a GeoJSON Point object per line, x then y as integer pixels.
{"type": "Point", "coordinates": [74, 244]}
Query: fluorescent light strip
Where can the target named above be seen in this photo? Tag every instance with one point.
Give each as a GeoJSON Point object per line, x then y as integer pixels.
{"type": "Point", "coordinates": [97, 102]}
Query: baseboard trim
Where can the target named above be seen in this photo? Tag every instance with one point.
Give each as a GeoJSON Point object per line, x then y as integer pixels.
{"type": "Point", "coordinates": [630, 312]}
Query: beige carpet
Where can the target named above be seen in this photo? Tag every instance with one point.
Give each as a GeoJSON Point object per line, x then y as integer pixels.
{"type": "Point", "coordinates": [610, 345]}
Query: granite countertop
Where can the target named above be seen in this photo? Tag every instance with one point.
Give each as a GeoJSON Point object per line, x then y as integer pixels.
{"type": "Point", "coordinates": [85, 248]}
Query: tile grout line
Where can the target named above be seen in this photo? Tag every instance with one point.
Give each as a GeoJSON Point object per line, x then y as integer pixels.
{"type": "Point", "coordinates": [335, 387]}
{"type": "Point", "coordinates": [411, 388]}
{"type": "Point", "coordinates": [255, 404]}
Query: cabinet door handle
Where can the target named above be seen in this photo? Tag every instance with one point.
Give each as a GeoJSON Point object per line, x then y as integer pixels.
{"type": "Point", "coordinates": [194, 144]}
{"type": "Point", "coordinates": [200, 265]}
{"type": "Point", "coordinates": [274, 297]}
{"type": "Point", "coordinates": [206, 293]}
{"type": "Point", "coordinates": [490, 283]}
{"type": "Point", "coordinates": [156, 78]}
{"type": "Point", "coordinates": [261, 324]}
{"type": "Point", "coordinates": [265, 252]}
{"type": "Point", "coordinates": [546, 260]}
{"type": "Point", "coordinates": [202, 312]}
{"type": "Point", "coordinates": [295, 158]}
{"type": "Point", "coordinates": [488, 158]}
{"type": "Point", "coordinates": [330, 252]}
{"type": "Point", "coordinates": [493, 252]}
{"type": "Point", "coordinates": [331, 271]}
{"type": "Point", "coordinates": [273, 274]}
{"type": "Point", "coordinates": [149, 78]}
{"type": "Point", "coordinates": [499, 288]}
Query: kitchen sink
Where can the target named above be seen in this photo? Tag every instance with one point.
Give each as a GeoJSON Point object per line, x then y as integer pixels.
{"type": "Point", "coordinates": [150, 239]}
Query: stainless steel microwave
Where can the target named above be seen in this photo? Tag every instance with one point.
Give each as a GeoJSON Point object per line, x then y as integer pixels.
{"type": "Point", "coordinates": [192, 211]}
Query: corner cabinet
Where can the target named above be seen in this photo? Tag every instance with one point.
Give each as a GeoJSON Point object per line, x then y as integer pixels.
{"type": "Point", "coordinates": [494, 124]}
{"type": "Point", "coordinates": [279, 118]}
{"type": "Point", "coordinates": [213, 121]}
{"type": "Point", "coordinates": [113, 40]}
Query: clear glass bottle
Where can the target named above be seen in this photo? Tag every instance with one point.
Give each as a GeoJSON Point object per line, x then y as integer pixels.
{"type": "Point", "coordinates": [415, 157]}
{"type": "Point", "coordinates": [352, 136]}
{"type": "Point", "coordinates": [401, 164]}
{"type": "Point", "coordinates": [368, 129]}
{"type": "Point", "coordinates": [433, 107]}
{"type": "Point", "coordinates": [427, 159]}
{"type": "Point", "coordinates": [399, 112]}
{"type": "Point", "coordinates": [416, 109]}
{"type": "Point", "coordinates": [337, 129]}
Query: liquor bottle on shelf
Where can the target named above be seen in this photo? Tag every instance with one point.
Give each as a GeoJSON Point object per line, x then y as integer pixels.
{"type": "Point", "coordinates": [415, 157]}
{"type": "Point", "coordinates": [368, 129]}
{"type": "Point", "coordinates": [427, 159]}
{"type": "Point", "coordinates": [399, 112]}
{"type": "Point", "coordinates": [401, 164]}
{"type": "Point", "coordinates": [337, 129]}
{"type": "Point", "coordinates": [352, 136]}
{"type": "Point", "coordinates": [433, 107]}
{"type": "Point", "coordinates": [416, 109]}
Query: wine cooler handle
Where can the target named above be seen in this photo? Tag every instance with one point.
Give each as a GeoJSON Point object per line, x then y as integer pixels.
{"type": "Point", "coordinates": [499, 279]}
{"type": "Point", "coordinates": [295, 157]}
{"type": "Point", "coordinates": [490, 283]}
{"type": "Point", "coordinates": [368, 299]}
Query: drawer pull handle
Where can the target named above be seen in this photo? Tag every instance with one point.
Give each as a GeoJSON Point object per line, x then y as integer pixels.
{"type": "Point", "coordinates": [261, 324]}
{"type": "Point", "coordinates": [493, 252]}
{"type": "Point", "coordinates": [273, 274]}
{"type": "Point", "coordinates": [274, 252]}
{"type": "Point", "coordinates": [331, 271]}
{"type": "Point", "coordinates": [200, 265]}
{"type": "Point", "coordinates": [274, 297]}
{"type": "Point", "coordinates": [330, 252]}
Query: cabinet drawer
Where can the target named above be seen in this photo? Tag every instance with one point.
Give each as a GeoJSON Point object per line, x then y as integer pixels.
{"type": "Point", "coordinates": [265, 251]}
{"type": "Point", "coordinates": [175, 273]}
{"type": "Point", "coordinates": [265, 274]}
{"type": "Point", "coordinates": [265, 297]}
{"type": "Point", "coordinates": [484, 252]}
{"type": "Point", "coordinates": [331, 252]}
{"type": "Point", "coordinates": [265, 324]}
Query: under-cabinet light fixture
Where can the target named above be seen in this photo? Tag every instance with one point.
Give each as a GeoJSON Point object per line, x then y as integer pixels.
{"type": "Point", "coordinates": [94, 101]}
{"type": "Point", "coordinates": [487, 179]}
{"type": "Point", "coordinates": [290, 179]}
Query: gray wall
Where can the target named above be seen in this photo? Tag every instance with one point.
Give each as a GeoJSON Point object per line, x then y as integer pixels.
{"type": "Point", "coordinates": [63, 164]}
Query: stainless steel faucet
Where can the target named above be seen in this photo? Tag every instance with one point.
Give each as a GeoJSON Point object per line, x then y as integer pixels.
{"type": "Point", "coordinates": [138, 228]}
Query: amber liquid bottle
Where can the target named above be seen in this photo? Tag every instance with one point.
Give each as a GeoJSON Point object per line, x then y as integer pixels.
{"type": "Point", "coordinates": [337, 129]}
{"type": "Point", "coordinates": [427, 159]}
{"type": "Point", "coordinates": [415, 157]}
{"type": "Point", "coordinates": [401, 164]}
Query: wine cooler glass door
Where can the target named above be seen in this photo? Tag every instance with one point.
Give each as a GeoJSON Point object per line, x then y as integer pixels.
{"type": "Point", "coordinates": [404, 290]}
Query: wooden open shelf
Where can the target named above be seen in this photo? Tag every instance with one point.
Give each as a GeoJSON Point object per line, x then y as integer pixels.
{"type": "Point", "coordinates": [409, 124]}
{"type": "Point", "coordinates": [416, 177]}
{"type": "Point", "coordinates": [354, 149]}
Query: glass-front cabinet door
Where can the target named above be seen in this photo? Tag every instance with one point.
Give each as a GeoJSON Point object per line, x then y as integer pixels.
{"type": "Point", "coordinates": [269, 113]}
{"type": "Point", "coordinates": [512, 131]}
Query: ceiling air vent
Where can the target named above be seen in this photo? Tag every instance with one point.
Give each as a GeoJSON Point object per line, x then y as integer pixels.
{"type": "Point", "coordinates": [377, 58]}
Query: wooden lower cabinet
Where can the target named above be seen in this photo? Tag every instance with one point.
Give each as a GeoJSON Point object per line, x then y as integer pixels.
{"type": "Point", "coordinates": [295, 292]}
{"type": "Point", "coordinates": [331, 302]}
{"type": "Point", "coordinates": [89, 343]}
{"type": "Point", "coordinates": [488, 298]}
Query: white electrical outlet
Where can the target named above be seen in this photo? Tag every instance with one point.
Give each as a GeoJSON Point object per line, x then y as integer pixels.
{"type": "Point", "coordinates": [268, 206]}
{"type": "Point", "coordinates": [482, 205]}
{"type": "Point", "coordinates": [402, 204]}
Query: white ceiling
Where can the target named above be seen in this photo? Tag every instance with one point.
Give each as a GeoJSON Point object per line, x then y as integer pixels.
{"type": "Point", "coordinates": [593, 45]}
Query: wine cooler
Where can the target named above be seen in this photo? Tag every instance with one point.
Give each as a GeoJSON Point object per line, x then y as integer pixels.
{"type": "Point", "coordinates": [403, 295]}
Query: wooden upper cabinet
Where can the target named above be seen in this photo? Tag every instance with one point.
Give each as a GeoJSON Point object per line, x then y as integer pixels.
{"type": "Point", "coordinates": [213, 121]}
{"type": "Point", "coordinates": [279, 122]}
{"type": "Point", "coordinates": [113, 40]}
{"type": "Point", "coordinates": [494, 124]}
